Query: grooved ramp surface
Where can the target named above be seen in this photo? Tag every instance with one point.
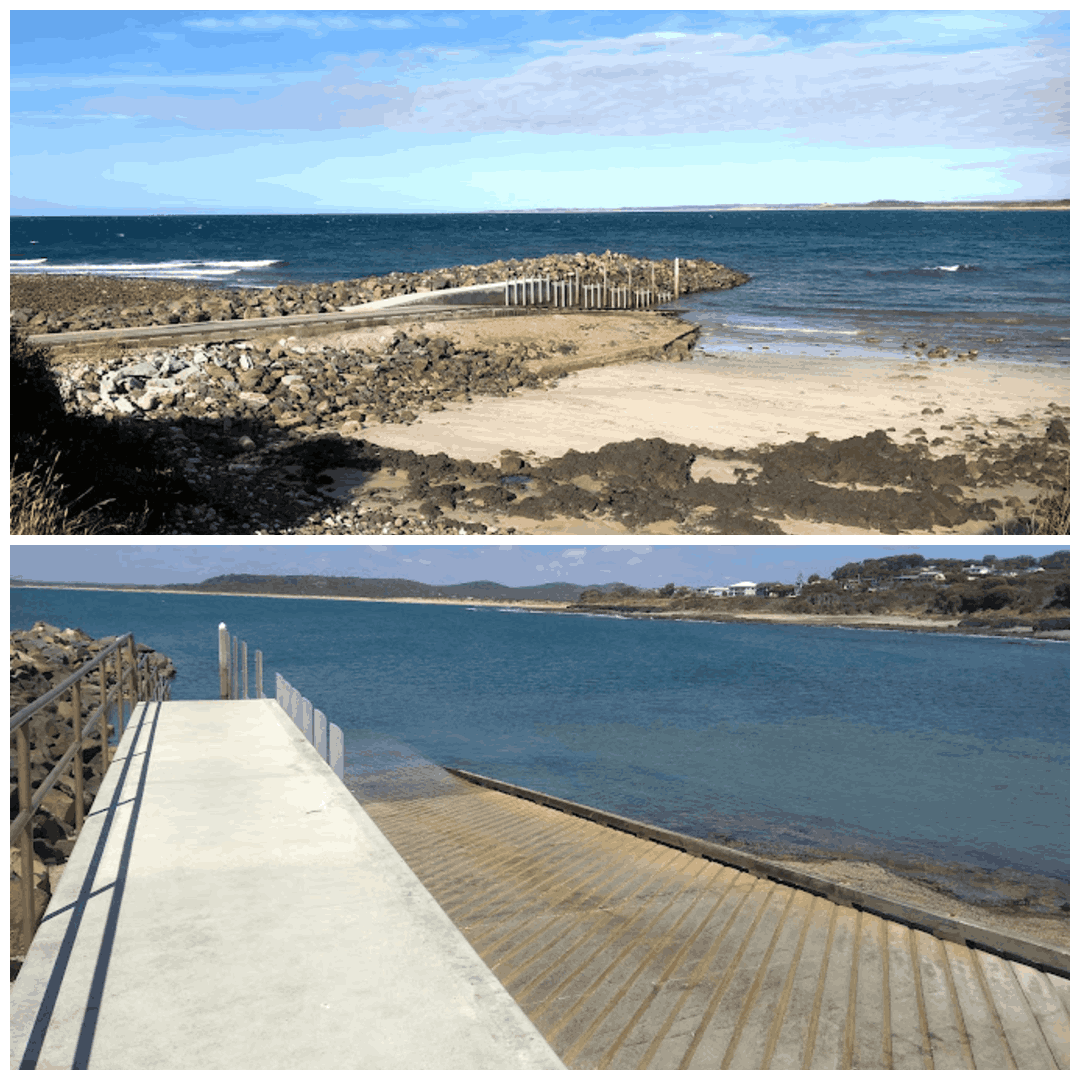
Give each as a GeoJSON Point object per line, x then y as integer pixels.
{"type": "Point", "coordinates": [627, 954]}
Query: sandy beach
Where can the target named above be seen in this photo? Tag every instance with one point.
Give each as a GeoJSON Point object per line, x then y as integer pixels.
{"type": "Point", "coordinates": [734, 400]}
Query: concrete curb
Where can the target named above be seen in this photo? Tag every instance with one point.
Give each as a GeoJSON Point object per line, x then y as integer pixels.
{"type": "Point", "coordinates": [300, 326]}
{"type": "Point", "coordinates": [1011, 947]}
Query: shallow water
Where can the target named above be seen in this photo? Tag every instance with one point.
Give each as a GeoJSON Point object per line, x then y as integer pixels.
{"type": "Point", "coordinates": [929, 749]}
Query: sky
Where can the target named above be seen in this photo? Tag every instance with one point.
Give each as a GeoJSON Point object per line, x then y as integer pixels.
{"type": "Point", "coordinates": [440, 110]}
{"type": "Point", "coordinates": [452, 563]}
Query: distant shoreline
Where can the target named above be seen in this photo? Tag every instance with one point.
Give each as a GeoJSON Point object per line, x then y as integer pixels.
{"type": "Point", "coordinates": [1050, 204]}
{"type": "Point", "coordinates": [901, 623]}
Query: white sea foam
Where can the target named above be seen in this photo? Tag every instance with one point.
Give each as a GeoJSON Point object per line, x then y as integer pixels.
{"type": "Point", "coordinates": [787, 329]}
{"type": "Point", "coordinates": [173, 268]}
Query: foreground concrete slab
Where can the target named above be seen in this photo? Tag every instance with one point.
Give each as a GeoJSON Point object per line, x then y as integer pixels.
{"type": "Point", "coordinates": [229, 905]}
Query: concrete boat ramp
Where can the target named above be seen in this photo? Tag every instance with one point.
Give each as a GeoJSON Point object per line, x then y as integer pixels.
{"type": "Point", "coordinates": [230, 904]}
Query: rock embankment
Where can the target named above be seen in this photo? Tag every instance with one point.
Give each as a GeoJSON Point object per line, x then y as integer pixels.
{"type": "Point", "coordinates": [41, 658]}
{"type": "Point", "coordinates": [298, 386]}
{"type": "Point", "coordinates": [48, 303]}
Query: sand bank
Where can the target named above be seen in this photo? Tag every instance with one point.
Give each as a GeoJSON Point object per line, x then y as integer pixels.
{"type": "Point", "coordinates": [733, 401]}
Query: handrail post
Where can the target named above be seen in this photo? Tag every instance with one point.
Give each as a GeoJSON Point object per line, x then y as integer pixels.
{"type": "Point", "coordinates": [258, 672]}
{"type": "Point", "coordinates": [104, 717]}
{"type": "Point", "coordinates": [134, 674]}
{"type": "Point", "coordinates": [26, 841]}
{"type": "Point", "coordinates": [76, 720]}
{"type": "Point", "coordinates": [223, 659]}
{"type": "Point", "coordinates": [243, 654]}
{"type": "Point", "coordinates": [118, 657]}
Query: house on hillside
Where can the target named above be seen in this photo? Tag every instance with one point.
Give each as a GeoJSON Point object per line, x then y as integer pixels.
{"type": "Point", "coordinates": [740, 588]}
{"type": "Point", "coordinates": [923, 576]}
{"type": "Point", "coordinates": [772, 589]}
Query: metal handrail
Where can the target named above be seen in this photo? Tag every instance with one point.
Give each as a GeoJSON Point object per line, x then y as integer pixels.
{"type": "Point", "coordinates": [143, 686]}
{"type": "Point", "coordinates": [48, 698]}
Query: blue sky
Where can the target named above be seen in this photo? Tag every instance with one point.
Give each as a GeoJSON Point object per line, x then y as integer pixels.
{"type": "Point", "coordinates": [310, 111]}
{"type": "Point", "coordinates": [646, 565]}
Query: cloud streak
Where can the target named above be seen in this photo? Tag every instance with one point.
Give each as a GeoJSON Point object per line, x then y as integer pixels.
{"type": "Point", "coordinates": [656, 84]}
{"type": "Point", "coordinates": [651, 84]}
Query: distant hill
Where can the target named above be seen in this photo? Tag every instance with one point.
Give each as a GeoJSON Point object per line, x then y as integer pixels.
{"type": "Point", "coordinates": [374, 588]}
{"type": "Point", "coordinates": [385, 588]}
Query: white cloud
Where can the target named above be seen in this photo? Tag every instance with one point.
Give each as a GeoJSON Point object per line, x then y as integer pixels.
{"type": "Point", "coordinates": [633, 562]}
{"type": "Point", "coordinates": [268, 23]}
{"type": "Point", "coordinates": [648, 84]}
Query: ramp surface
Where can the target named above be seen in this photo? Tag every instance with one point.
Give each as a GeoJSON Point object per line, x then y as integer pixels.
{"type": "Point", "coordinates": [628, 954]}
{"type": "Point", "coordinates": [229, 905]}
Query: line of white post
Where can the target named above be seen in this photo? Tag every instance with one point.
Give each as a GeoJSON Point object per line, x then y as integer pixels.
{"type": "Point", "coordinates": [530, 292]}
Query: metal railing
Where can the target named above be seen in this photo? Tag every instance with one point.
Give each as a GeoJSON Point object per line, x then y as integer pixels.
{"type": "Point", "coordinates": [327, 738]}
{"type": "Point", "coordinates": [134, 682]}
{"type": "Point", "coordinates": [573, 293]}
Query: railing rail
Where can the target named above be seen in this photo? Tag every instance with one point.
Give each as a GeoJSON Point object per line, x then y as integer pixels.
{"type": "Point", "coordinates": [327, 738]}
{"type": "Point", "coordinates": [134, 682]}
{"type": "Point", "coordinates": [573, 293]}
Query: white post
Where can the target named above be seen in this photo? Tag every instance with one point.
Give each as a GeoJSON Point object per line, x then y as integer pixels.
{"type": "Point", "coordinates": [223, 659]}
{"type": "Point", "coordinates": [337, 751]}
{"type": "Point", "coordinates": [676, 279]}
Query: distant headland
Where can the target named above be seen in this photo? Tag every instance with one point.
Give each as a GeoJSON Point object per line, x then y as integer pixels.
{"type": "Point", "coordinates": [877, 204]}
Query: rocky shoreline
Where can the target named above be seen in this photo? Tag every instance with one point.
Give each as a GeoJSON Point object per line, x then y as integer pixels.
{"type": "Point", "coordinates": [269, 435]}
{"type": "Point", "coordinates": [42, 657]}
{"type": "Point", "coordinates": [54, 303]}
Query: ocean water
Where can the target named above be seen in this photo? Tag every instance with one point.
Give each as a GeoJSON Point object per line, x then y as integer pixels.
{"type": "Point", "coordinates": [822, 281]}
{"type": "Point", "coordinates": [938, 749]}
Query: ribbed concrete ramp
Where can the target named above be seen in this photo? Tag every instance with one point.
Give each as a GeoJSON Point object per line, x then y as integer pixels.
{"type": "Point", "coordinates": [628, 954]}
{"type": "Point", "coordinates": [229, 905]}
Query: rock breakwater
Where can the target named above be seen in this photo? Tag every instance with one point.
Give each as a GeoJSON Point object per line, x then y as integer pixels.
{"type": "Point", "coordinates": [49, 303]}
{"type": "Point", "coordinates": [41, 658]}
{"type": "Point", "coordinates": [298, 386]}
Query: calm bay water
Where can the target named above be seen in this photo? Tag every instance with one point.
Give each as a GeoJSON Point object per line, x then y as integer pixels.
{"type": "Point", "coordinates": [821, 280]}
{"type": "Point", "coordinates": [939, 749]}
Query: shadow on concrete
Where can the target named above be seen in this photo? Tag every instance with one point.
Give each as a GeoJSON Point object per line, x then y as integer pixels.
{"type": "Point", "coordinates": [148, 719]}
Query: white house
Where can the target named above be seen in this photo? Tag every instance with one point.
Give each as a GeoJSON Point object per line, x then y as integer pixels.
{"type": "Point", "coordinates": [740, 588]}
